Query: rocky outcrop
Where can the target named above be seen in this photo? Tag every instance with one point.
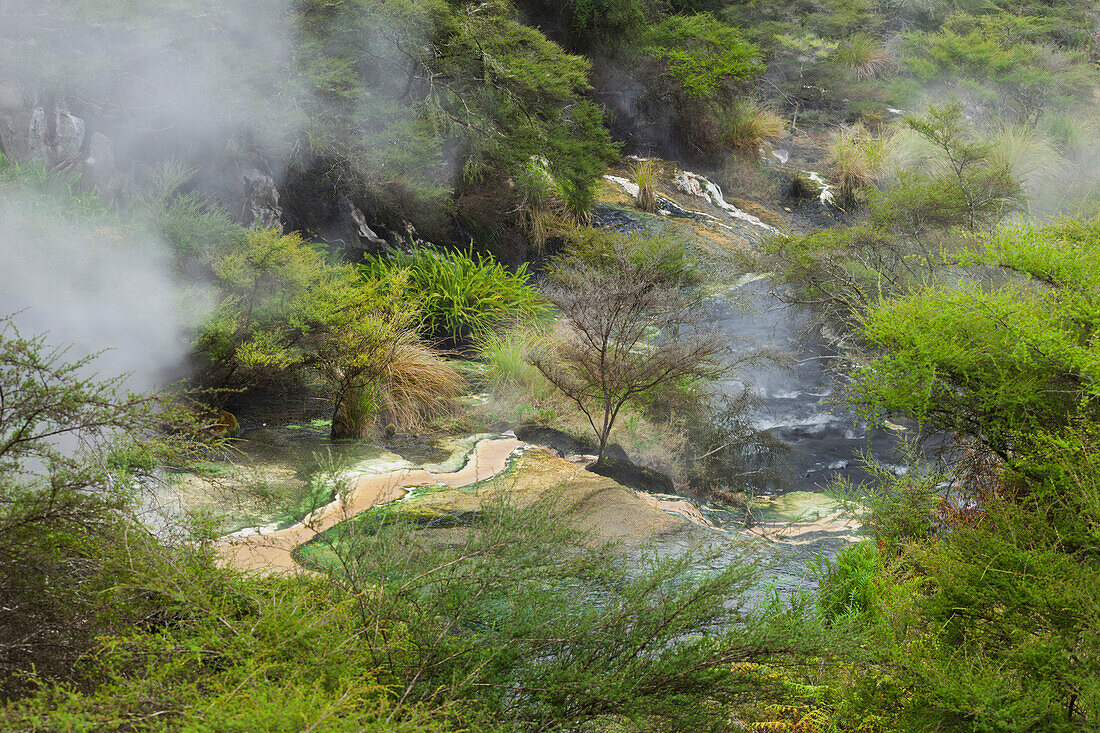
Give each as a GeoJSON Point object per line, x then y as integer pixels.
{"type": "Point", "coordinates": [259, 197]}
{"type": "Point", "coordinates": [55, 137]}
{"type": "Point", "coordinates": [15, 121]}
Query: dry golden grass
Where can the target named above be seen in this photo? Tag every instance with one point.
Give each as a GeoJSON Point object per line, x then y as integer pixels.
{"type": "Point", "coordinates": [748, 125]}
{"type": "Point", "coordinates": [418, 386]}
{"type": "Point", "coordinates": [645, 175]}
{"type": "Point", "coordinates": [857, 160]}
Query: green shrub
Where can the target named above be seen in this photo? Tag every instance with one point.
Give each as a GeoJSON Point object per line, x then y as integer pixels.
{"type": "Point", "coordinates": [847, 585]}
{"type": "Point", "coordinates": [461, 294]}
{"type": "Point", "coordinates": [668, 255]}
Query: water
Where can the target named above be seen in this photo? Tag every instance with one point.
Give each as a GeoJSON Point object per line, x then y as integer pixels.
{"type": "Point", "coordinates": [800, 403]}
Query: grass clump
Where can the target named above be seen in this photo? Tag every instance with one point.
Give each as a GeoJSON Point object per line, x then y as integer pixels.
{"type": "Point", "coordinates": [645, 174]}
{"type": "Point", "coordinates": [858, 160]}
{"type": "Point", "coordinates": [461, 294]}
{"type": "Point", "coordinates": [746, 125]}
{"type": "Point", "coordinates": [863, 57]}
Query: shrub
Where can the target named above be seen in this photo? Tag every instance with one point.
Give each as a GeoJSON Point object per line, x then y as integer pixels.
{"type": "Point", "coordinates": [667, 255]}
{"type": "Point", "coordinates": [461, 294]}
{"type": "Point", "coordinates": [847, 585]}
{"type": "Point", "coordinates": [697, 54]}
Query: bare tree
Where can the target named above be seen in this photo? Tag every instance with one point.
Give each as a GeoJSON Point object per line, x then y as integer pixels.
{"type": "Point", "coordinates": [633, 328]}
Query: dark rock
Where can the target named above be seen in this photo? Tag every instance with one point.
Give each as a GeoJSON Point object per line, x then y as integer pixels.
{"type": "Point", "coordinates": [632, 475]}
{"type": "Point", "coordinates": [15, 121]}
{"type": "Point", "coordinates": [564, 443]}
{"type": "Point", "coordinates": [604, 217]}
{"type": "Point", "coordinates": [99, 166]}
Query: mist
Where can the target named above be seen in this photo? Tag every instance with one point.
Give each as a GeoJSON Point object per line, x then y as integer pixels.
{"type": "Point", "coordinates": [96, 288]}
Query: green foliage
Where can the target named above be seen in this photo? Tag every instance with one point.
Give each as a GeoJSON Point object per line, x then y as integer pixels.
{"type": "Point", "coordinates": [671, 262]}
{"type": "Point", "coordinates": [698, 55]}
{"type": "Point", "coordinates": [1001, 635]}
{"type": "Point", "coordinates": [857, 161]}
{"type": "Point", "coordinates": [461, 77]}
{"type": "Point", "coordinates": [74, 452]}
{"type": "Point", "coordinates": [847, 584]}
{"type": "Point", "coordinates": [463, 294]}
{"type": "Point", "coordinates": [507, 355]}
{"type": "Point", "coordinates": [995, 363]}
{"type": "Point", "coordinates": [505, 603]}
{"type": "Point", "coordinates": [952, 188]}
{"type": "Point", "coordinates": [285, 312]}
{"type": "Point", "coordinates": [895, 510]}
{"type": "Point", "coordinates": [591, 24]}
{"type": "Point", "coordinates": [1001, 60]}
{"type": "Point", "coordinates": [644, 175]}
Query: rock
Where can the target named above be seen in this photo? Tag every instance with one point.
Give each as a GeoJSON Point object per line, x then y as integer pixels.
{"type": "Point", "coordinates": [563, 443]}
{"type": "Point", "coordinates": [15, 120]}
{"type": "Point", "coordinates": [363, 229]}
{"type": "Point", "coordinates": [226, 425]}
{"type": "Point", "coordinates": [55, 135]}
{"type": "Point", "coordinates": [782, 155]}
{"type": "Point", "coordinates": [599, 504]}
{"type": "Point", "coordinates": [99, 166]}
{"type": "Point", "coordinates": [260, 199]}
{"type": "Point", "coordinates": [636, 477]}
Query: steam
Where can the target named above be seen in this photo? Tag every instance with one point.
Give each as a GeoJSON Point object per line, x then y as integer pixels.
{"type": "Point", "coordinates": [95, 287]}
{"type": "Point", "coordinates": [200, 84]}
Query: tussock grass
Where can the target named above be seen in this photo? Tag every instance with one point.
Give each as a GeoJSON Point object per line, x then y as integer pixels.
{"type": "Point", "coordinates": [507, 358]}
{"type": "Point", "coordinates": [1028, 153]}
{"type": "Point", "coordinates": [863, 57]}
{"type": "Point", "coordinates": [645, 175]}
{"type": "Point", "coordinates": [748, 124]}
{"type": "Point", "coordinates": [858, 160]}
{"type": "Point", "coordinates": [418, 386]}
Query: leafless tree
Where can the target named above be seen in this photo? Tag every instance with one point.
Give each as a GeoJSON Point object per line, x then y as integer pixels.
{"type": "Point", "coordinates": [634, 327]}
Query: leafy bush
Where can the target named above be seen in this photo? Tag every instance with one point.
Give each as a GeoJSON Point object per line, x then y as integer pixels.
{"type": "Point", "coordinates": [697, 55]}
{"type": "Point", "coordinates": [668, 256]}
{"type": "Point", "coordinates": [847, 584]}
{"type": "Point", "coordinates": [461, 294]}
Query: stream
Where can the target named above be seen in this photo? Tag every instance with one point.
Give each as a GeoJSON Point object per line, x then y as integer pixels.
{"type": "Point", "coordinates": [800, 403]}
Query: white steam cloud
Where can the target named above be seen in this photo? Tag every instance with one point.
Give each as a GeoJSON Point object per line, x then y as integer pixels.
{"type": "Point", "coordinates": [95, 288]}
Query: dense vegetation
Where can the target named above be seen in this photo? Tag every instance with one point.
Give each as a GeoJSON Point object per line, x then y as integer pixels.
{"type": "Point", "coordinates": [381, 206]}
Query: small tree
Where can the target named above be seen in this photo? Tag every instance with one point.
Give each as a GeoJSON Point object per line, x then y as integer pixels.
{"type": "Point", "coordinates": [633, 329]}
{"type": "Point", "coordinates": [72, 446]}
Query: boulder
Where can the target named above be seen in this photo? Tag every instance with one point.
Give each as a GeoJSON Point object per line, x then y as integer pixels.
{"type": "Point", "coordinates": [55, 136]}
{"type": "Point", "coordinates": [631, 474]}
{"type": "Point", "coordinates": [99, 165]}
{"type": "Point", "coordinates": [15, 120]}
{"type": "Point", "coordinates": [260, 199]}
